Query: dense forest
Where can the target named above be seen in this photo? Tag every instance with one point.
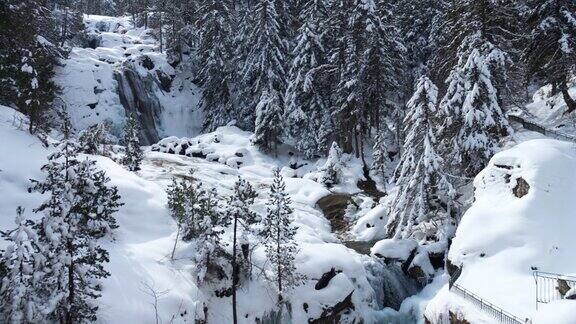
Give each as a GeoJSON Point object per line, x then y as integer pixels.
{"type": "Point", "coordinates": [417, 90]}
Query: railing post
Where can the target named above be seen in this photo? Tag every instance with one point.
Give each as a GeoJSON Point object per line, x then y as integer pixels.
{"type": "Point", "coordinates": [535, 274]}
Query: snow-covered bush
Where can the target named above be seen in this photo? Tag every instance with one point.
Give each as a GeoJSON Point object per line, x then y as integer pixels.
{"type": "Point", "coordinates": [331, 171]}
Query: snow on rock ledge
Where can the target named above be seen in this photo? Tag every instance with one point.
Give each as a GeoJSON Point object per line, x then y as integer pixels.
{"type": "Point", "coordinates": [504, 236]}
{"type": "Point", "coordinates": [226, 146]}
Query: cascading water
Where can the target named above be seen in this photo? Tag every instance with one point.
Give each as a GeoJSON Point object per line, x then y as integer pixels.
{"type": "Point", "coordinates": [390, 284]}
{"type": "Point", "coordinates": [137, 96]}
{"type": "Point", "coordinates": [391, 287]}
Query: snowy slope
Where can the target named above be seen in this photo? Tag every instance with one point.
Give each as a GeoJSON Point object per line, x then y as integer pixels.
{"type": "Point", "coordinates": [140, 250]}
{"type": "Point", "coordinates": [21, 157]}
{"type": "Point", "coordinates": [140, 243]}
{"type": "Point", "coordinates": [503, 237]}
{"type": "Point", "coordinates": [90, 90]}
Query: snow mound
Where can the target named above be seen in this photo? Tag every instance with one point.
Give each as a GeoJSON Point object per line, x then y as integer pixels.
{"type": "Point", "coordinates": [522, 220]}
{"type": "Point", "coordinates": [394, 249]}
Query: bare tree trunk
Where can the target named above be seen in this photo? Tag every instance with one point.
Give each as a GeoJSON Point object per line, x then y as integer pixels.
{"type": "Point", "coordinates": [64, 27]}
{"type": "Point", "coordinates": [71, 288]}
{"type": "Point", "coordinates": [279, 267]}
{"type": "Point", "coordinates": [234, 273]}
{"type": "Point", "coordinates": [175, 242]}
{"type": "Point", "coordinates": [161, 35]}
{"type": "Point", "coordinates": [569, 101]}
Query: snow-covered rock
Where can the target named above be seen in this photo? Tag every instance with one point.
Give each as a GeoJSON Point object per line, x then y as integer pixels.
{"type": "Point", "coordinates": [395, 249]}
{"type": "Point", "coordinates": [504, 236]}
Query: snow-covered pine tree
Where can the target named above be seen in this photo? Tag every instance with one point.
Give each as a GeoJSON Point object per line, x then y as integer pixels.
{"type": "Point", "coordinates": [474, 120]}
{"type": "Point", "coordinates": [177, 206]}
{"type": "Point", "coordinates": [331, 171]}
{"type": "Point", "coordinates": [194, 206]}
{"type": "Point", "coordinates": [79, 210]}
{"type": "Point", "coordinates": [204, 227]}
{"type": "Point", "coordinates": [550, 52]}
{"type": "Point", "coordinates": [180, 30]}
{"type": "Point", "coordinates": [416, 20]}
{"type": "Point", "coordinates": [215, 53]}
{"type": "Point", "coordinates": [27, 60]}
{"type": "Point", "coordinates": [307, 121]}
{"type": "Point", "coordinates": [345, 54]}
{"type": "Point", "coordinates": [380, 158]}
{"type": "Point", "coordinates": [242, 218]}
{"type": "Point", "coordinates": [277, 234]}
{"type": "Point", "coordinates": [476, 45]}
{"type": "Point", "coordinates": [472, 24]}
{"type": "Point", "coordinates": [418, 174]}
{"type": "Point", "coordinates": [133, 156]}
{"type": "Point", "coordinates": [19, 299]}
{"type": "Point", "coordinates": [382, 63]}
{"type": "Point", "coordinates": [264, 76]}
{"type": "Point", "coordinates": [94, 139]}
{"type": "Point", "coordinates": [267, 128]}
{"type": "Point", "coordinates": [364, 58]}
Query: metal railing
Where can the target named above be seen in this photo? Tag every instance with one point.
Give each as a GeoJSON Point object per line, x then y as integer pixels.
{"type": "Point", "coordinates": [487, 307]}
{"type": "Point", "coordinates": [552, 286]}
{"type": "Point", "coordinates": [530, 125]}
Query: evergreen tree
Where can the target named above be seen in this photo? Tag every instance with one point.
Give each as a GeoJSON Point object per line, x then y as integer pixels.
{"type": "Point", "coordinates": [217, 75]}
{"type": "Point", "coordinates": [417, 21]}
{"type": "Point", "coordinates": [133, 156]}
{"type": "Point", "coordinates": [418, 175]}
{"type": "Point", "coordinates": [550, 53]}
{"type": "Point", "coordinates": [204, 227]}
{"type": "Point", "coordinates": [278, 236]}
{"type": "Point", "coordinates": [380, 158]}
{"type": "Point", "coordinates": [78, 211]}
{"type": "Point", "coordinates": [475, 24]}
{"type": "Point", "coordinates": [475, 120]}
{"type": "Point", "coordinates": [382, 63]}
{"type": "Point", "coordinates": [242, 218]}
{"type": "Point", "coordinates": [331, 171]}
{"type": "Point", "coordinates": [347, 53]}
{"type": "Point", "coordinates": [264, 76]}
{"type": "Point", "coordinates": [94, 139]}
{"type": "Point", "coordinates": [268, 121]}
{"type": "Point", "coordinates": [307, 119]}
{"type": "Point", "coordinates": [177, 206]}
{"type": "Point", "coordinates": [27, 60]}
{"type": "Point", "coordinates": [19, 300]}
{"type": "Point", "coordinates": [364, 59]}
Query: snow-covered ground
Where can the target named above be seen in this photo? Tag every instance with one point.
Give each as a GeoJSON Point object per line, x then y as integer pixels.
{"type": "Point", "coordinates": [140, 251]}
{"type": "Point", "coordinates": [505, 236]}
{"type": "Point", "coordinates": [90, 90]}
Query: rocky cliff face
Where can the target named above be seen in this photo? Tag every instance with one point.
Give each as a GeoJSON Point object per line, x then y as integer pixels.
{"type": "Point", "coordinates": [117, 71]}
{"type": "Point", "coordinates": [137, 95]}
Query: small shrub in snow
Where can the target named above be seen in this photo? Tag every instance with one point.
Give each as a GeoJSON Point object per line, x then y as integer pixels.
{"type": "Point", "coordinates": [19, 301]}
{"type": "Point", "coordinates": [177, 206]}
{"type": "Point", "coordinates": [94, 139]}
{"type": "Point", "coordinates": [331, 172]}
{"type": "Point", "coordinates": [134, 155]}
{"type": "Point", "coordinates": [204, 226]}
